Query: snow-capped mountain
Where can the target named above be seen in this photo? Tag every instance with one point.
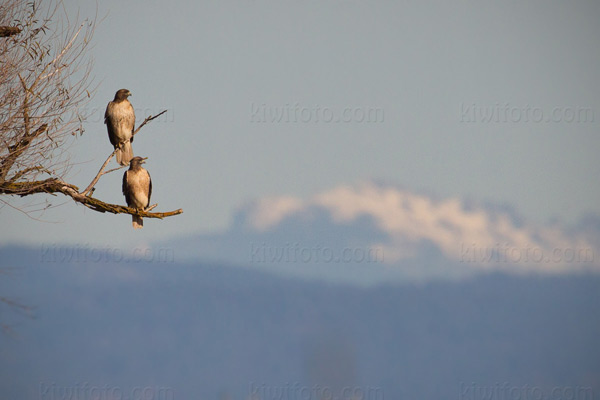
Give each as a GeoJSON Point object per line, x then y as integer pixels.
{"type": "Point", "coordinates": [377, 225]}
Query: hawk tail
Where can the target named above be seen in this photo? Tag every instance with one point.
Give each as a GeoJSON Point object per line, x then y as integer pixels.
{"type": "Point", "coordinates": [125, 153]}
{"type": "Point", "coordinates": [137, 222]}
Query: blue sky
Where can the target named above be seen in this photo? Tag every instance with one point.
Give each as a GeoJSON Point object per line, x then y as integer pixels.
{"type": "Point", "coordinates": [492, 101]}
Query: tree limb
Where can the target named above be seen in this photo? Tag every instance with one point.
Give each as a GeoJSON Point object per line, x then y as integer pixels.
{"type": "Point", "coordinates": [17, 149]}
{"type": "Point", "coordinates": [99, 174]}
{"type": "Point", "coordinates": [55, 185]}
{"type": "Point", "coordinates": [148, 119]}
{"type": "Point", "coordinates": [25, 171]}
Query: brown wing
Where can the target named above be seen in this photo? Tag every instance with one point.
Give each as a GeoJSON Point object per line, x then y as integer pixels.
{"type": "Point", "coordinates": [111, 124]}
{"type": "Point", "coordinates": [127, 190]}
{"type": "Point", "coordinates": [149, 188]}
{"type": "Point", "coordinates": [130, 119]}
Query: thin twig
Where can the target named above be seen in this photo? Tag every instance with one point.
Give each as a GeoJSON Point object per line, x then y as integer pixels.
{"type": "Point", "coordinates": [16, 150]}
{"type": "Point", "coordinates": [114, 169]}
{"type": "Point", "coordinates": [148, 119]}
{"type": "Point", "coordinates": [62, 53]}
{"type": "Point", "coordinates": [27, 170]}
{"type": "Point", "coordinates": [99, 174]}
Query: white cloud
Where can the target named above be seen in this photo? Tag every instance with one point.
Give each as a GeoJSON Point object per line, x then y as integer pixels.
{"type": "Point", "coordinates": [474, 235]}
{"type": "Point", "coordinates": [269, 211]}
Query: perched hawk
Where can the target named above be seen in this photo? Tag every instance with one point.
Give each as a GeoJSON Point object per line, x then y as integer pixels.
{"type": "Point", "coordinates": [120, 120]}
{"type": "Point", "coordinates": [137, 188]}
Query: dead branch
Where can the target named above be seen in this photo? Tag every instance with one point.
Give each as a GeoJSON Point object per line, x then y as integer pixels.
{"type": "Point", "coordinates": [17, 149]}
{"type": "Point", "coordinates": [55, 185]}
{"type": "Point", "coordinates": [148, 119]}
{"type": "Point", "coordinates": [101, 206]}
{"type": "Point", "coordinates": [45, 85]}
{"type": "Point", "coordinates": [15, 304]}
{"type": "Point", "coordinates": [114, 169]}
{"type": "Point", "coordinates": [37, 168]}
{"type": "Point", "coordinates": [99, 174]}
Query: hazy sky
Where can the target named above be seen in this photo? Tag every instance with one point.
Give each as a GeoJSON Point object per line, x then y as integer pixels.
{"type": "Point", "coordinates": [495, 101]}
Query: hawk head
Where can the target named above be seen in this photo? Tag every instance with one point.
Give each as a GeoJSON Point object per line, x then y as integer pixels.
{"type": "Point", "coordinates": [137, 162]}
{"type": "Point", "coordinates": [122, 94]}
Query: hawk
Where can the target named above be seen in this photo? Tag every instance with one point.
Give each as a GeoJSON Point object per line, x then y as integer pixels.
{"type": "Point", "coordinates": [137, 188]}
{"type": "Point", "coordinates": [120, 120]}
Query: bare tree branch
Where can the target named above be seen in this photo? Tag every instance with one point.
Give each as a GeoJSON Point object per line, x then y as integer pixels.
{"type": "Point", "coordinates": [15, 304]}
{"type": "Point", "coordinates": [37, 168]}
{"type": "Point", "coordinates": [99, 174]}
{"type": "Point", "coordinates": [44, 84]}
{"type": "Point", "coordinates": [148, 119]}
{"type": "Point", "coordinates": [55, 185]}
{"type": "Point", "coordinates": [114, 169]}
{"type": "Point", "coordinates": [17, 149]}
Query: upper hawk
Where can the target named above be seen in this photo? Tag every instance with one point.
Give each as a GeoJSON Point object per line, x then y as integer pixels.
{"type": "Point", "coordinates": [120, 121]}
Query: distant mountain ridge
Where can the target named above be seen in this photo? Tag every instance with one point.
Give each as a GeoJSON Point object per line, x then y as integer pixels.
{"type": "Point", "coordinates": [200, 329]}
